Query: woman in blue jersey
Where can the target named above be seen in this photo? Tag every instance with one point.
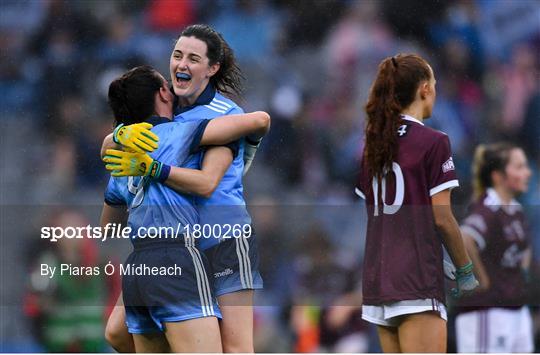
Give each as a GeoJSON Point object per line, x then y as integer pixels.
{"type": "Point", "coordinates": [202, 68]}
{"type": "Point", "coordinates": [140, 93]}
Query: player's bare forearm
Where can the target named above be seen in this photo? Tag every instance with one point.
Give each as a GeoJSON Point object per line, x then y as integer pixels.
{"type": "Point", "coordinates": [201, 182]}
{"type": "Point", "coordinates": [191, 181]}
{"type": "Point", "coordinates": [454, 243]}
{"type": "Point", "coordinates": [108, 143]}
{"type": "Point", "coordinates": [448, 226]}
{"type": "Point", "coordinates": [226, 129]}
{"type": "Point", "coordinates": [479, 268]}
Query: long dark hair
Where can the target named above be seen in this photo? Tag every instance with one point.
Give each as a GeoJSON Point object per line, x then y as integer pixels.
{"type": "Point", "coordinates": [487, 159]}
{"type": "Point", "coordinates": [229, 78]}
{"type": "Point", "coordinates": [393, 90]}
{"type": "Point", "coordinates": [131, 96]}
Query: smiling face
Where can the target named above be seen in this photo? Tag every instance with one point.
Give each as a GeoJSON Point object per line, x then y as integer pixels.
{"type": "Point", "coordinates": [190, 69]}
{"type": "Point", "coordinates": [516, 173]}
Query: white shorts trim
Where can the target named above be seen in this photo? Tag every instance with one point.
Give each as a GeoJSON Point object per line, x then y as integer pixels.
{"type": "Point", "coordinates": [386, 315]}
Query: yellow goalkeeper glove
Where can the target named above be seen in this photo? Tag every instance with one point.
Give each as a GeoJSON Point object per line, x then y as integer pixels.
{"type": "Point", "coordinates": [137, 137]}
{"type": "Point", "coordinates": [122, 163]}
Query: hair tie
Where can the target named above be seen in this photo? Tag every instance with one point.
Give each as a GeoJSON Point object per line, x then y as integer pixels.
{"type": "Point", "coordinates": [394, 62]}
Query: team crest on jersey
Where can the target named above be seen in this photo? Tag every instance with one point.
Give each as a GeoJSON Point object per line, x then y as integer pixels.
{"type": "Point", "coordinates": [448, 165]}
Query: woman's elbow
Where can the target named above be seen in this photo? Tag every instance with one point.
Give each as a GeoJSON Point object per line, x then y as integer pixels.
{"type": "Point", "coordinates": [442, 222]}
{"type": "Point", "coordinates": [208, 189]}
{"type": "Point", "coordinates": [263, 120]}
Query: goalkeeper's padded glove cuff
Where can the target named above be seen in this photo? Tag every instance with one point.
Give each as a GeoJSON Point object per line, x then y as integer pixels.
{"type": "Point", "coordinates": [159, 171]}
{"type": "Point", "coordinates": [164, 174]}
{"type": "Point", "coordinates": [115, 133]}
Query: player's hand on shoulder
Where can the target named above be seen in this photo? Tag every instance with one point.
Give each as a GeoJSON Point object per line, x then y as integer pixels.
{"type": "Point", "coordinates": [136, 137]}
{"type": "Point", "coordinates": [123, 163]}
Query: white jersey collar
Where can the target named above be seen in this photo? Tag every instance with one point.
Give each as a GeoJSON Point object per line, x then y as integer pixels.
{"type": "Point", "coordinates": [494, 200]}
{"type": "Point", "coordinates": [411, 118]}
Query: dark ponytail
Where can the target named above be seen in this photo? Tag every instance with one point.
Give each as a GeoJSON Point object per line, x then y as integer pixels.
{"type": "Point", "coordinates": [131, 96]}
{"type": "Point", "coordinates": [229, 78]}
{"type": "Point", "coordinates": [393, 90]}
{"type": "Point", "coordinates": [487, 159]}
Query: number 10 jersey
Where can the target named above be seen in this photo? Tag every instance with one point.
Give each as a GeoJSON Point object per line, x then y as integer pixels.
{"type": "Point", "coordinates": [403, 254]}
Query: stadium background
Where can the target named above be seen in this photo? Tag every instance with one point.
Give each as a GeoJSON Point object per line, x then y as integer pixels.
{"type": "Point", "coordinates": [310, 64]}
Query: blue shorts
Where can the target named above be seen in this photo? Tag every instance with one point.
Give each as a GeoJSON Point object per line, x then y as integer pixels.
{"type": "Point", "coordinates": [182, 292]}
{"type": "Point", "coordinates": [235, 265]}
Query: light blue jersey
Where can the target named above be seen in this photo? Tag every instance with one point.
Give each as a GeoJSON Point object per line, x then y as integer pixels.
{"type": "Point", "coordinates": [156, 205]}
{"type": "Point", "coordinates": [226, 206]}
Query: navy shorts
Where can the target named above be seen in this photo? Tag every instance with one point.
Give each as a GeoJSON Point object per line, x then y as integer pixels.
{"type": "Point", "coordinates": [235, 265]}
{"type": "Point", "coordinates": [180, 291]}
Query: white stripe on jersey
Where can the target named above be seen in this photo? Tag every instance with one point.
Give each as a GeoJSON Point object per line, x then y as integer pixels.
{"type": "Point", "coordinates": [219, 106]}
{"type": "Point", "coordinates": [222, 102]}
{"type": "Point", "coordinates": [214, 109]}
{"type": "Point", "coordinates": [445, 185]}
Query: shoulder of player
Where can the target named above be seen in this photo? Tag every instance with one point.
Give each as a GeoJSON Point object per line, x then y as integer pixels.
{"type": "Point", "coordinates": [479, 216]}
{"type": "Point", "coordinates": [222, 104]}
{"type": "Point", "coordinates": [165, 126]}
{"type": "Point", "coordinates": [430, 133]}
{"type": "Point", "coordinates": [490, 201]}
{"type": "Point", "coordinates": [170, 130]}
{"type": "Point", "coordinates": [483, 205]}
{"type": "Point", "coordinates": [429, 137]}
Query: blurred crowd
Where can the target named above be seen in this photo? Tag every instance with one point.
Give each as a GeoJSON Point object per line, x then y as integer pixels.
{"type": "Point", "coordinates": [308, 63]}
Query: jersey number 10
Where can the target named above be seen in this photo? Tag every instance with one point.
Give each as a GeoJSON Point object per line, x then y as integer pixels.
{"type": "Point", "coordinates": [400, 192]}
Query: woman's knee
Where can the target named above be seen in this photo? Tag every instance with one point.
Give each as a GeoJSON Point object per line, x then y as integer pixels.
{"type": "Point", "coordinates": [117, 335]}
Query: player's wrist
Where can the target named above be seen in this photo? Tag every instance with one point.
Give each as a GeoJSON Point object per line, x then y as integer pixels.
{"type": "Point", "coordinates": [465, 270]}
{"type": "Point", "coordinates": [159, 171]}
{"type": "Point", "coordinates": [115, 133]}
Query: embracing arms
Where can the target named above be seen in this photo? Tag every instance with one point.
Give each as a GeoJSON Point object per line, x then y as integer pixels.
{"type": "Point", "coordinates": [219, 131]}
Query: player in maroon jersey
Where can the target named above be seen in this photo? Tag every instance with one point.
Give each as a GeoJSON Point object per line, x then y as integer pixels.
{"type": "Point", "coordinates": [495, 319]}
{"type": "Point", "coordinates": [406, 176]}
